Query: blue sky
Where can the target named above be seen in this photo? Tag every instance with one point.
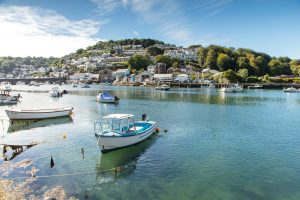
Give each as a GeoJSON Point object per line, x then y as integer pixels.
{"type": "Point", "coordinates": [58, 27]}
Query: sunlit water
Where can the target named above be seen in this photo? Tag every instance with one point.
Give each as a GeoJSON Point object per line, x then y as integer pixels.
{"type": "Point", "coordinates": [217, 146]}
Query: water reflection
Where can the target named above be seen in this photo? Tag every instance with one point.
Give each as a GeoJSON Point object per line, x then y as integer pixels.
{"type": "Point", "coordinates": [18, 125]}
{"type": "Point", "coordinates": [9, 152]}
{"type": "Point", "coordinates": [124, 160]}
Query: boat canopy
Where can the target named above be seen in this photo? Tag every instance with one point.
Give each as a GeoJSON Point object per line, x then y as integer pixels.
{"type": "Point", "coordinates": [118, 116]}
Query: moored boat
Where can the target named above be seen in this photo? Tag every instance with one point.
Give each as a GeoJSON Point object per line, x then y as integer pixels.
{"type": "Point", "coordinates": [105, 97]}
{"type": "Point", "coordinates": [291, 89]}
{"type": "Point", "coordinates": [163, 87]}
{"type": "Point", "coordinates": [120, 130]}
{"type": "Point", "coordinates": [54, 92]}
{"type": "Point", "coordinates": [232, 88]}
{"type": "Point", "coordinates": [15, 114]}
{"type": "Point", "coordinates": [84, 85]}
{"type": "Point", "coordinates": [256, 86]}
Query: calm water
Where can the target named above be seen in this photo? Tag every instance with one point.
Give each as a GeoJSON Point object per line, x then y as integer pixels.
{"type": "Point", "coordinates": [217, 146]}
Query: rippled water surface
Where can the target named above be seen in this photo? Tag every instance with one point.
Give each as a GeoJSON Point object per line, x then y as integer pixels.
{"type": "Point", "coordinates": [217, 146]}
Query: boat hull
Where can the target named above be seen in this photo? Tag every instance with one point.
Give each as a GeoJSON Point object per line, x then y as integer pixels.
{"type": "Point", "coordinates": [38, 114]}
{"type": "Point", "coordinates": [110, 143]}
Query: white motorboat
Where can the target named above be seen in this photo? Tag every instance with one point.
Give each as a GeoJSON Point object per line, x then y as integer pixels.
{"type": "Point", "coordinates": [6, 86]}
{"type": "Point", "coordinates": [15, 114]}
{"type": "Point", "coordinates": [74, 85]}
{"type": "Point", "coordinates": [256, 86]}
{"type": "Point", "coordinates": [163, 87]}
{"type": "Point", "coordinates": [232, 88]}
{"type": "Point", "coordinates": [54, 92]}
{"type": "Point", "coordinates": [105, 97]}
{"type": "Point", "coordinates": [34, 83]}
{"type": "Point", "coordinates": [8, 100]}
{"type": "Point", "coordinates": [120, 130]}
{"type": "Point", "coordinates": [291, 89]}
{"type": "Point", "coordinates": [84, 85]}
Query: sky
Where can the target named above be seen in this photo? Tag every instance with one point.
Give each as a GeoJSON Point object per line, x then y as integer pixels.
{"type": "Point", "coordinates": [59, 27]}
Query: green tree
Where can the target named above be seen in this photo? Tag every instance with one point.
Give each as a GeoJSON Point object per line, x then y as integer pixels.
{"type": "Point", "coordinates": [258, 64]}
{"type": "Point", "coordinates": [139, 62]}
{"type": "Point", "coordinates": [224, 62]}
{"type": "Point", "coordinates": [7, 66]}
{"type": "Point", "coordinates": [201, 56]}
{"type": "Point", "coordinates": [243, 73]}
{"type": "Point", "coordinates": [231, 76]}
{"type": "Point", "coordinates": [165, 59]}
{"type": "Point", "coordinates": [175, 65]}
{"type": "Point", "coordinates": [276, 68]}
{"type": "Point", "coordinates": [211, 60]}
{"type": "Point", "coordinates": [154, 51]}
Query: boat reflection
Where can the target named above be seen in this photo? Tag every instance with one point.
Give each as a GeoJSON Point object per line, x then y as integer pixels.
{"type": "Point", "coordinates": [18, 125]}
{"type": "Point", "coordinates": [122, 161]}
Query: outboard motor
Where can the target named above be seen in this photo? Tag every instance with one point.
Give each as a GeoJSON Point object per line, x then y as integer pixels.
{"type": "Point", "coordinates": [116, 98]}
{"type": "Point", "coordinates": [144, 116]}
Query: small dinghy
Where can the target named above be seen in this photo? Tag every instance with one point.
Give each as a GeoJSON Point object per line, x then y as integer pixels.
{"type": "Point", "coordinates": [105, 97]}
{"type": "Point", "coordinates": [120, 130]}
{"type": "Point", "coordinates": [163, 87]}
{"type": "Point", "coordinates": [15, 114]}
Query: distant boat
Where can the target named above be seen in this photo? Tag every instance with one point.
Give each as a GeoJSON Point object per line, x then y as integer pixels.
{"type": "Point", "coordinates": [15, 114]}
{"type": "Point", "coordinates": [291, 89]}
{"type": "Point", "coordinates": [209, 86]}
{"type": "Point", "coordinates": [54, 92]}
{"type": "Point", "coordinates": [256, 86]}
{"type": "Point", "coordinates": [8, 100]}
{"type": "Point", "coordinates": [84, 85]}
{"type": "Point", "coordinates": [6, 86]}
{"type": "Point", "coordinates": [120, 130]}
{"type": "Point", "coordinates": [232, 88]}
{"type": "Point", "coordinates": [163, 87]}
{"type": "Point", "coordinates": [105, 97]}
{"type": "Point", "coordinates": [74, 85]}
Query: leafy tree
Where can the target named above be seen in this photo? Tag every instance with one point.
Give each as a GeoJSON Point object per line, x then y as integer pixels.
{"type": "Point", "coordinates": [175, 65]}
{"type": "Point", "coordinates": [166, 59]}
{"type": "Point", "coordinates": [211, 60]}
{"type": "Point", "coordinates": [224, 62]}
{"type": "Point", "coordinates": [258, 64]}
{"type": "Point", "coordinates": [7, 66]}
{"type": "Point", "coordinates": [139, 62]}
{"type": "Point", "coordinates": [243, 73]}
{"type": "Point", "coordinates": [201, 56]}
{"type": "Point", "coordinates": [231, 76]}
{"type": "Point", "coordinates": [154, 51]}
{"type": "Point", "coordinates": [276, 68]}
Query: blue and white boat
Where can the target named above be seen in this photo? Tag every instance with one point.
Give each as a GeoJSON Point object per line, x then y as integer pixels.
{"type": "Point", "coordinates": [120, 130]}
{"type": "Point", "coordinates": [105, 97]}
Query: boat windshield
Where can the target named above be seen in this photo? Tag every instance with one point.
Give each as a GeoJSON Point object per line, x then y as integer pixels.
{"type": "Point", "coordinates": [110, 125]}
{"type": "Point", "coordinates": [119, 125]}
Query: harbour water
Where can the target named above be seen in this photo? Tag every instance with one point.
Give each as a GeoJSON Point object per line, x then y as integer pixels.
{"type": "Point", "coordinates": [216, 146]}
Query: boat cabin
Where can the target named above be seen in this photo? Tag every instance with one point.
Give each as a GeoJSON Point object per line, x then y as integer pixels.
{"type": "Point", "coordinates": [121, 123]}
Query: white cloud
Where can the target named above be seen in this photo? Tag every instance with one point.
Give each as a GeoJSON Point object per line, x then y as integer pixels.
{"type": "Point", "coordinates": [27, 31]}
{"type": "Point", "coordinates": [136, 33]}
{"type": "Point", "coordinates": [161, 13]}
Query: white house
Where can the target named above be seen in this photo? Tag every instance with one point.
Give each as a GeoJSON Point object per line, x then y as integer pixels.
{"type": "Point", "coordinates": [182, 78]}
{"type": "Point", "coordinates": [121, 72]}
{"type": "Point", "coordinates": [163, 77]}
